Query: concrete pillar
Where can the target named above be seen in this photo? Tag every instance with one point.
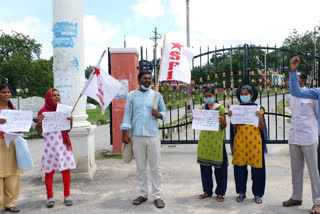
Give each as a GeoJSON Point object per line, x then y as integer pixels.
{"type": "Point", "coordinates": [124, 67]}
{"type": "Point", "coordinates": [69, 78]}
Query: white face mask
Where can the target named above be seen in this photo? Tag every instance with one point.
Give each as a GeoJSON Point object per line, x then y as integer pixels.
{"type": "Point", "coordinates": [144, 88]}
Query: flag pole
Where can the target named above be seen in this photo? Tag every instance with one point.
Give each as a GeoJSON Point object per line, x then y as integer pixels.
{"type": "Point", "coordinates": [158, 81]}
{"type": "Point", "coordinates": [76, 103]}
{"type": "Point", "coordinates": [104, 52]}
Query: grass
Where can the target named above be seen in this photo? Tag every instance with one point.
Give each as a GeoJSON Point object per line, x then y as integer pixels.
{"type": "Point", "coordinates": [97, 118]}
{"type": "Point", "coordinates": [32, 134]}
{"type": "Point", "coordinates": [175, 122]}
{"type": "Point", "coordinates": [281, 110]}
{"type": "Point", "coordinates": [108, 154]}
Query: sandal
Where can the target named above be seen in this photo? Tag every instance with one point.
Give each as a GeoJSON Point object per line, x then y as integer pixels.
{"type": "Point", "coordinates": [159, 203]}
{"type": "Point", "coordinates": [220, 198]}
{"type": "Point", "coordinates": [258, 200]}
{"type": "Point", "coordinates": [68, 202]}
{"type": "Point", "coordinates": [315, 209]}
{"type": "Point", "coordinates": [291, 202]}
{"type": "Point", "coordinates": [204, 195]}
{"type": "Point", "coordinates": [139, 200]}
{"type": "Point", "coordinates": [12, 209]}
{"type": "Point", "coordinates": [241, 197]}
{"type": "Point", "coordinates": [50, 203]}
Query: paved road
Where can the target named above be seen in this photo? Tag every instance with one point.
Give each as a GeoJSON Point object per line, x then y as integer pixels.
{"type": "Point", "coordinates": [114, 186]}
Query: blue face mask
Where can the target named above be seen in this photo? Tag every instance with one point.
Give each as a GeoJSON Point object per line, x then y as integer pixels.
{"type": "Point", "coordinates": [208, 100]}
{"type": "Point", "coordinates": [144, 88]}
{"type": "Point", "coordinates": [245, 99]}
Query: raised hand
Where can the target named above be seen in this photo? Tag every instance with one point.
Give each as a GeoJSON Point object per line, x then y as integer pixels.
{"type": "Point", "coordinates": [294, 63]}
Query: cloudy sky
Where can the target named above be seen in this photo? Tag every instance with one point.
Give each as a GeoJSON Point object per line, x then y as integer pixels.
{"type": "Point", "coordinates": [212, 22]}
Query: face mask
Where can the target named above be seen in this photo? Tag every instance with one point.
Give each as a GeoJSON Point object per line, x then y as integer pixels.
{"type": "Point", "coordinates": [208, 100]}
{"type": "Point", "coordinates": [144, 88]}
{"type": "Point", "coordinates": [245, 99]}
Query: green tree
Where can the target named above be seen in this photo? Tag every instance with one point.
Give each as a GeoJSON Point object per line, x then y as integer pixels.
{"type": "Point", "coordinates": [21, 67]}
{"type": "Point", "coordinates": [88, 71]}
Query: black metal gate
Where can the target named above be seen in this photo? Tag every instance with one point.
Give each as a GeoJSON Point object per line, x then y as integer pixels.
{"type": "Point", "coordinates": [227, 69]}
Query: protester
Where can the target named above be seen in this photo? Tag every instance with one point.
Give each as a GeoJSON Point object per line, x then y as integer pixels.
{"type": "Point", "coordinates": [248, 149]}
{"type": "Point", "coordinates": [303, 138]}
{"type": "Point", "coordinates": [9, 172]}
{"type": "Point", "coordinates": [145, 136]}
{"type": "Point", "coordinates": [57, 151]}
{"type": "Point", "coordinates": [212, 152]}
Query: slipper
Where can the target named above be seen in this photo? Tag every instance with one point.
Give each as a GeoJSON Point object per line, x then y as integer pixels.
{"type": "Point", "coordinates": [241, 197]}
{"type": "Point", "coordinates": [159, 203]}
{"type": "Point", "coordinates": [68, 202]}
{"type": "Point", "coordinates": [291, 202]}
{"type": "Point", "coordinates": [204, 195]}
{"type": "Point", "coordinates": [12, 209]}
{"type": "Point", "coordinates": [258, 200]}
{"type": "Point", "coordinates": [220, 198]}
{"type": "Point", "coordinates": [315, 209]}
{"type": "Point", "coordinates": [139, 200]}
{"type": "Point", "coordinates": [50, 204]}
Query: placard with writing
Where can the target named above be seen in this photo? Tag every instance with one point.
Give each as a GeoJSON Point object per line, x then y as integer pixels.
{"type": "Point", "coordinates": [17, 120]}
{"type": "Point", "coordinates": [205, 120]}
{"type": "Point", "coordinates": [244, 114]}
{"type": "Point", "coordinates": [55, 121]}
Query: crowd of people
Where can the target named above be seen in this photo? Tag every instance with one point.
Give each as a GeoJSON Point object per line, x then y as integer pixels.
{"type": "Point", "coordinates": [140, 127]}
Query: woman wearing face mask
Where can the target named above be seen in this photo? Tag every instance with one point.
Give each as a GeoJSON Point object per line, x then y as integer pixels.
{"type": "Point", "coordinates": [248, 149]}
{"type": "Point", "coordinates": [57, 151]}
{"type": "Point", "coordinates": [212, 152]}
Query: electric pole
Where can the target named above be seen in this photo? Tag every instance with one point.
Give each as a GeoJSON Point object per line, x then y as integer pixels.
{"type": "Point", "coordinates": [189, 87]}
{"type": "Point", "coordinates": [155, 38]}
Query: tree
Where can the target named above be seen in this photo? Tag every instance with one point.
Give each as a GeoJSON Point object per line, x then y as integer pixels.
{"type": "Point", "coordinates": [88, 71]}
{"type": "Point", "coordinates": [21, 67]}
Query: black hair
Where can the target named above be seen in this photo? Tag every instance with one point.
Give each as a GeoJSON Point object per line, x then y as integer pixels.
{"type": "Point", "coordinates": [252, 91]}
{"type": "Point", "coordinates": [54, 89]}
{"type": "Point", "coordinates": [143, 73]}
{"type": "Point", "coordinates": [2, 86]}
{"type": "Point", "coordinates": [209, 89]}
{"type": "Point", "coordinates": [248, 88]}
{"type": "Point", "coordinates": [302, 75]}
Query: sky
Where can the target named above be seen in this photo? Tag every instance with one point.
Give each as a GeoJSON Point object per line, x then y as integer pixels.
{"type": "Point", "coordinates": [212, 22]}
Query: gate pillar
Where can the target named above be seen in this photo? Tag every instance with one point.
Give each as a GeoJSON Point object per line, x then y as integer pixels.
{"type": "Point", "coordinates": [124, 67]}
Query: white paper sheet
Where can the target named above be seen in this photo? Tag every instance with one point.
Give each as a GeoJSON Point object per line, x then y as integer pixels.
{"type": "Point", "coordinates": [64, 108]}
{"type": "Point", "coordinates": [205, 120]}
{"type": "Point", "coordinates": [17, 120]}
{"type": "Point", "coordinates": [244, 114]}
{"type": "Point", "coordinates": [55, 121]}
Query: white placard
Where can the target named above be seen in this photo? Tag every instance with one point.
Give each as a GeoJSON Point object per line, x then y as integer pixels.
{"type": "Point", "coordinates": [244, 114]}
{"type": "Point", "coordinates": [17, 120]}
{"type": "Point", "coordinates": [205, 120]}
{"type": "Point", "coordinates": [64, 108]}
{"type": "Point", "coordinates": [55, 121]}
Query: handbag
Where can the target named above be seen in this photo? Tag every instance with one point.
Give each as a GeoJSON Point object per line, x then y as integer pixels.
{"type": "Point", "coordinates": [127, 150]}
{"type": "Point", "coordinates": [23, 154]}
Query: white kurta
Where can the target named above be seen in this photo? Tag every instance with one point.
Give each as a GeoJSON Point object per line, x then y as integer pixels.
{"type": "Point", "coordinates": [304, 121]}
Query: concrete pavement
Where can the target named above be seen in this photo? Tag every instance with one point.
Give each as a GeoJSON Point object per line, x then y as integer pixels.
{"type": "Point", "coordinates": [114, 185]}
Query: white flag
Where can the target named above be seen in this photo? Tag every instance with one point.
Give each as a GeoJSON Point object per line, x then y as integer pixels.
{"type": "Point", "coordinates": [176, 62]}
{"type": "Point", "coordinates": [101, 87]}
